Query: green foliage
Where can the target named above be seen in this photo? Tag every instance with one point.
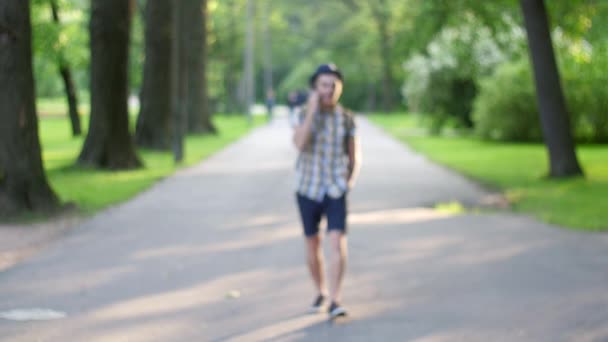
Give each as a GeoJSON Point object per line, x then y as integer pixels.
{"type": "Point", "coordinates": [587, 93]}
{"type": "Point", "coordinates": [443, 81]}
{"type": "Point", "coordinates": [68, 42]}
{"type": "Point", "coordinates": [303, 35]}
{"type": "Point", "coordinates": [447, 47]}
{"type": "Point", "coordinates": [519, 169]}
{"type": "Point", "coordinates": [506, 108]}
{"type": "Point", "coordinates": [444, 78]}
{"type": "Point", "coordinates": [55, 43]}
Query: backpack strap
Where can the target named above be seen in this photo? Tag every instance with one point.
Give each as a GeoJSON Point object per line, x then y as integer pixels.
{"type": "Point", "coordinates": [349, 124]}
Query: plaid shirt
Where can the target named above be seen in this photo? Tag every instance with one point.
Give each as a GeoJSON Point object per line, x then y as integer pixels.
{"type": "Point", "coordinates": [322, 168]}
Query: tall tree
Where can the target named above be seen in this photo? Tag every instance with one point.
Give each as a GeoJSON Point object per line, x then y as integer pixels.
{"type": "Point", "coordinates": [68, 80]}
{"type": "Point", "coordinates": [153, 122]}
{"type": "Point", "coordinates": [267, 51]}
{"type": "Point", "coordinates": [248, 62]}
{"type": "Point", "coordinates": [381, 14]}
{"type": "Point", "coordinates": [194, 30]}
{"type": "Point", "coordinates": [23, 184]}
{"type": "Point", "coordinates": [232, 59]}
{"type": "Point", "coordinates": [108, 143]}
{"type": "Point", "coordinates": [179, 80]}
{"type": "Point", "coordinates": [553, 112]}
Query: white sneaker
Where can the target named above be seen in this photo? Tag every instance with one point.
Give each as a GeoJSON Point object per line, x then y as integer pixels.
{"type": "Point", "coordinates": [335, 310]}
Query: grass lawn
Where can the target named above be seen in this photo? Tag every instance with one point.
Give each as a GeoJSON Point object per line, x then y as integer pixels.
{"type": "Point", "coordinates": [519, 170]}
{"type": "Point", "coordinates": [58, 106]}
{"type": "Point", "coordinates": [92, 190]}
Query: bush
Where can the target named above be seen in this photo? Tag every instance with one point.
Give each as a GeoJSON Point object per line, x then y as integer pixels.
{"type": "Point", "coordinates": [442, 82]}
{"type": "Point", "coordinates": [506, 108]}
{"type": "Point", "coordinates": [588, 100]}
{"type": "Point", "coordinates": [587, 93]}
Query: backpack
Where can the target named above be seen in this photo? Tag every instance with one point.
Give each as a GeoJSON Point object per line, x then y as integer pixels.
{"type": "Point", "coordinates": [349, 124]}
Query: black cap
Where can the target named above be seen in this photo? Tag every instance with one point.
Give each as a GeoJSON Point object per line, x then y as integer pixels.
{"type": "Point", "coordinates": [326, 69]}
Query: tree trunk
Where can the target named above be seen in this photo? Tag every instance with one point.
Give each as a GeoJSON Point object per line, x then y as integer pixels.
{"type": "Point", "coordinates": [381, 16]}
{"type": "Point", "coordinates": [23, 184]}
{"type": "Point", "coordinates": [194, 28]}
{"type": "Point", "coordinates": [232, 64]}
{"type": "Point", "coordinates": [371, 97]}
{"type": "Point", "coordinates": [68, 81]}
{"type": "Point", "coordinates": [179, 78]}
{"type": "Point", "coordinates": [231, 89]}
{"type": "Point", "coordinates": [206, 108]}
{"type": "Point", "coordinates": [268, 81]}
{"type": "Point", "coordinates": [388, 81]}
{"type": "Point", "coordinates": [553, 112]}
{"type": "Point", "coordinates": [249, 65]}
{"type": "Point", "coordinates": [70, 92]}
{"type": "Point", "coordinates": [153, 122]}
{"type": "Point", "coordinates": [108, 143]}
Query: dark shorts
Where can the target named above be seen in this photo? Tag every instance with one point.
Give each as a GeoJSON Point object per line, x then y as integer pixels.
{"type": "Point", "coordinates": [311, 213]}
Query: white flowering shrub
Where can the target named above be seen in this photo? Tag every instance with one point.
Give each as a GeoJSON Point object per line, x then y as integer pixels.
{"type": "Point", "coordinates": [443, 81]}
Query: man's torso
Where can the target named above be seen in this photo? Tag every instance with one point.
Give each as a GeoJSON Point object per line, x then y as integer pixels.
{"type": "Point", "coordinates": [322, 168]}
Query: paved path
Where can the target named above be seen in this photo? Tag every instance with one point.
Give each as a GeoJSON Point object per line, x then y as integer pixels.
{"type": "Point", "coordinates": [215, 253]}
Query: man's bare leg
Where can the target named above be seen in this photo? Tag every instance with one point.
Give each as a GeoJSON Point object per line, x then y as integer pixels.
{"type": "Point", "coordinates": [337, 264]}
{"type": "Point", "coordinates": [316, 263]}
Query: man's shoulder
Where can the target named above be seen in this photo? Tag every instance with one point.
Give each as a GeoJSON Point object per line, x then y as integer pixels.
{"type": "Point", "coordinates": [348, 115]}
{"type": "Point", "coordinates": [347, 112]}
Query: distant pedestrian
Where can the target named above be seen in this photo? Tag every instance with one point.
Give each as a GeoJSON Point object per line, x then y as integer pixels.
{"type": "Point", "coordinates": [270, 99]}
{"type": "Point", "coordinates": [292, 97]}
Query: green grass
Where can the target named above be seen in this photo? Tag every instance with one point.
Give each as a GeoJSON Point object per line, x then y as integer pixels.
{"type": "Point", "coordinates": [57, 106]}
{"type": "Point", "coordinates": [92, 190]}
{"type": "Point", "coordinates": [519, 171]}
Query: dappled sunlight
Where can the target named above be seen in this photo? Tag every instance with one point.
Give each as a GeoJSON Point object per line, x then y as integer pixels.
{"type": "Point", "coordinates": [255, 239]}
{"type": "Point", "coordinates": [278, 329]}
{"type": "Point", "coordinates": [83, 280]}
{"type": "Point", "coordinates": [159, 330]}
{"type": "Point", "coordinates": [420, 248]}
{"type": "Point", "coordinates": [264, 220]}
{"type": "Point", "coordinates": [84, 329]}
{"type": "Point", "coordinates": [397, 216]}
{"type": "Point", "coordinates": [260, 221]}
{"type": "Point", "coordinates": [416, 249]}
{"type": "Point", "coordinates": [262, 238]}
{"type": "Point", "coordinates": [571, 316]}
{"type": "Point", "coordinates": [430, 243]}
{"type": "Point", "coordinates": [489, 254]}
{"type": "Point", "coordinates": [301, 326]}
{"type": "Point", "coordinates": [135, 317]}
{"type": "Point", "coordinates": [470, 334]}
{"type": "Point", "coordinates": [172, 302]}
{"type": "Point", "coordinates": [457, 249]}
{"type": "Point", "coordinates": [219, 168]}
{"type": "Point", "coordinates": [170, 252]}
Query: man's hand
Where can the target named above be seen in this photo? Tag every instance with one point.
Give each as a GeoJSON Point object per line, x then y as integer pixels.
{"type": "Point", "coordinates": [312, 104]}
{"type": "Point", "coordinates": [354, 161]}
{"type": "Point", "coordinates": [303, 132]}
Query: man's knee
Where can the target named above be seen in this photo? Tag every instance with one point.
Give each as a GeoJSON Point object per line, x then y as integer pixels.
{"type": "Point", "coordinates": [337, 242]}
{"type": "Point", "coordinates": [313, 244]}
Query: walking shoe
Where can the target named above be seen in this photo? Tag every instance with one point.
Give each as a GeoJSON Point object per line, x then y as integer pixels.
{"type": "Point", "coordinates": [335, 310]}
{"type": "Point", "coordinates": [318, 305]}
